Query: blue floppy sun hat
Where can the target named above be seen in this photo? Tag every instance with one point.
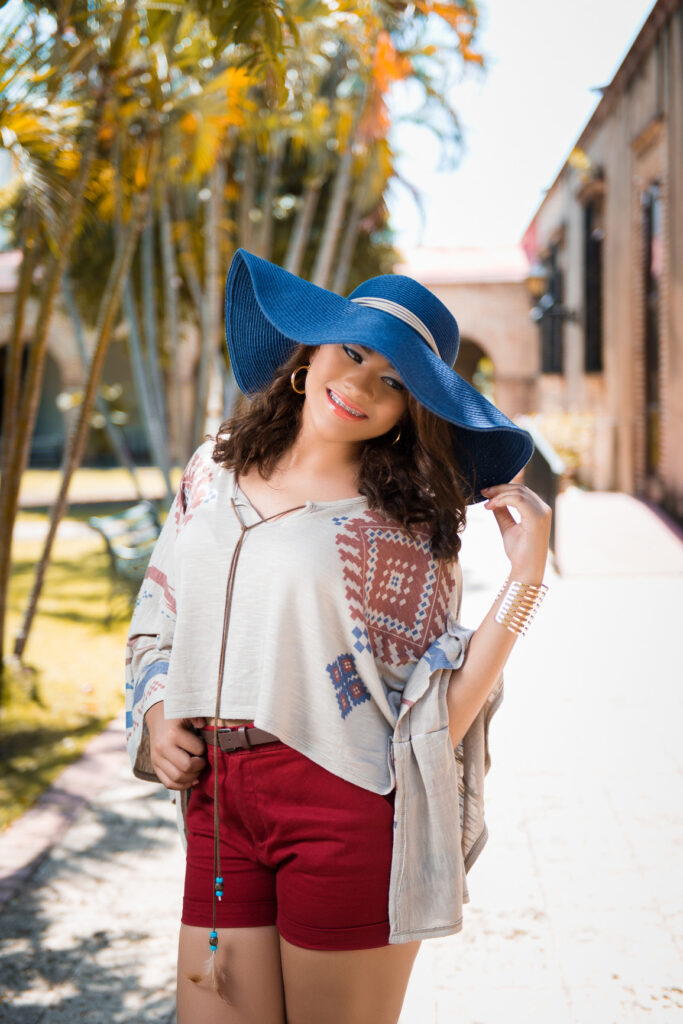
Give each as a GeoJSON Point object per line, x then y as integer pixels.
{"type": "Point", "coordinates": [269, 311]}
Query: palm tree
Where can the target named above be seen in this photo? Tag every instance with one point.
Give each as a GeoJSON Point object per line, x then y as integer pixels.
{"type": "Point", "coordinates": [111, 301]}
{"type": "Point", "coordinates": [19, 438]}
{"type": "Point", "coordinates": [113, 110]}
{"type": "Point", "coordinates": [113, 430]}
{"type": "Point", "coordinates": [293, 94]}
{"type": "Point", "coordinates": [170, 322]}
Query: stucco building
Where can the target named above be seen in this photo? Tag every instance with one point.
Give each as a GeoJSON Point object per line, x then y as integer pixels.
{"type": "Point", "coordinates": [609, 238]}
{"type": "Point", "coordinates": [486, 290]}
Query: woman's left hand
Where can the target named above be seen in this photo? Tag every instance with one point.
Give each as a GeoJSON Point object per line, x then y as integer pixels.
{"type": "Point", "coordinates": [525, 542]}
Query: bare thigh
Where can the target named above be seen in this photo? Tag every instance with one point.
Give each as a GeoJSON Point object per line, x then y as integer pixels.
{"type": "Point", "coordinates": [249, 972]}
{"type": "Point", "coordinates": [362, 986]}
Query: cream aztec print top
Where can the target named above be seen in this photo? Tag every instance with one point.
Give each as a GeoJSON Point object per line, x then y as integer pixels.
{"type": "Point", "coordinates": [342, 635]}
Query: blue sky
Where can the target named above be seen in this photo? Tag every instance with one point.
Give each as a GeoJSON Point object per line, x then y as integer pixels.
{"type": "Point", "coordinates": [520, 118]}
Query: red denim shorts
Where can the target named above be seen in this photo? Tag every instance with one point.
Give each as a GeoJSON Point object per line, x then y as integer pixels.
{"type": "Point", "coordinates": [300, 848]}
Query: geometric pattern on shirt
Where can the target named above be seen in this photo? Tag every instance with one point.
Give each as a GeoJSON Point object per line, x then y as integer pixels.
{"type": "Point", "coordinates": [146, 689]}
{"type": "Point", "coordinates": [153, 671]}
{"type": "Point", "coordinates": [396, 590]}
{"type": "Point", "coordinates": [348, 685]}
{"type": "Point", "coordinates": [362, 641]}
{"type": "Point", "coordinates": [195, 488]}
{"type": "Point", "coordinates": [155, 578]}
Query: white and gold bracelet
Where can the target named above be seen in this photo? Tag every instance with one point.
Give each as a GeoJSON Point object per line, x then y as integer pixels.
{"type": "Point", "coordinates": [520, 604]}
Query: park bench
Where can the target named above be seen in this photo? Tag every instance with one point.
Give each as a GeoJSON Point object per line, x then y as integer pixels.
{"type": "Point", "coordinates": [130, 536]}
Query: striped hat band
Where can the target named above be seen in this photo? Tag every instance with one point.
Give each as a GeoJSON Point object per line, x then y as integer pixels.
{"type": "Point", "coordinates": [407, 315]}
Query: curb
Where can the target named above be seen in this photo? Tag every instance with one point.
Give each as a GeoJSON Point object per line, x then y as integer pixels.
{"type": "Point", "coordinates": [30, 838]}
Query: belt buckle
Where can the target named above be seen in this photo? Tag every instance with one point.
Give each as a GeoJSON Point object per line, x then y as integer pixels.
{"type": "Point", "coordinates": [235, 739]}
{"type": "Point", "coordinates": [244, 743]}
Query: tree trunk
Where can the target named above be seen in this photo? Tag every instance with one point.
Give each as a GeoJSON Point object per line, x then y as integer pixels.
{"type": "Point", "coordinates": [341, 189]}
{"type": "Point", "coordinates": [149, 305]}
{"type": "Point", "coordinates": [333, 219]}
{"type": "Point", "coordinates": [210, 310]}
{"type": "Point", "coordinates": [350, 237]}
{"type": "Point", "coordinates": [109, 307]}
{"type": "Point", "coordinates": [113, 432]}
{"type": "Point", "coordinates": [19, 440]}
{"type": "Point", "coordinates": [150, 417]}
{"type": "Point", "coordinates": [170, 320]}
{"type": "Point", "coordinates": [348, 247]}
{"type": "Point", "coordinates": [265, 235]}
{"type": "Point", "coordinates": [298, 239]}
{"type": "Point", "coordinates": [191, 273]}
{"type": "Point", "coordinates": [15, 347]}
{"type": "Point", "coordinates": [202, 371]}
{"type": "Point", "coordinates": [186, 255]}
{"type": "Point", "coordinates": [247, 201]}
{"type": "Point", "coordinates": [143, 388]}
{"type": "Point", "coordinates": [20, 444]}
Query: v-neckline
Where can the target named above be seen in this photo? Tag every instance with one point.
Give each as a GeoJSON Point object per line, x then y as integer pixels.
{"type": "Point", "coordinates": [305, 507]}
{"type": "Point", "coordinates": [238, 493]}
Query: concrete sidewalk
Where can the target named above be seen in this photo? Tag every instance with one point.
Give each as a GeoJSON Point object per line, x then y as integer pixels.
{"type": "Point", "coordinates": [576, 908]}
{"type": "Point", "coordinates": [576, 912]}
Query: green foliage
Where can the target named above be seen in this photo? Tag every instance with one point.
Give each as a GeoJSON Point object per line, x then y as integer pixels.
{"type": "Point", "coordinates": [289, 97]}
{"type": "Point", "coordinates": [307, 70]}
{"type": "Point", "coordinates": [207, 81]}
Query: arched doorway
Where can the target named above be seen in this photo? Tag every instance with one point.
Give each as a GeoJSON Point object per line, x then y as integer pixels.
{"type": "Point", "coordinates": [476, 367]}
{"type": "Point", "coordinates": [49, 434]}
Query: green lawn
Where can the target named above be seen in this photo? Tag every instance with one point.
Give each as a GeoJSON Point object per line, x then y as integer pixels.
{"type": "Point", "coordinates": [76, 652]}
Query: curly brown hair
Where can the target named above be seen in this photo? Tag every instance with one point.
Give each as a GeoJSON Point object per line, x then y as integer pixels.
{"type": "Point", "coordinates": [415, 481]}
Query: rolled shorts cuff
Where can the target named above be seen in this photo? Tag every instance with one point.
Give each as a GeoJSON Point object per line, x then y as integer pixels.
{"type": "Point", "coordinates": [368, 936]}
{"type": "Point", "coordinates": [256, 914]}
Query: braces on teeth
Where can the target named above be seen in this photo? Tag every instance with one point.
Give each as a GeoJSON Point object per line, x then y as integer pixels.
{"type": "Point", "coordinates": [337, 401]}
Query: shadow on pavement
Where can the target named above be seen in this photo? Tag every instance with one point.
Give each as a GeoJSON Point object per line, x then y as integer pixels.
{"type": "Point", "coordinates": [81, 941]}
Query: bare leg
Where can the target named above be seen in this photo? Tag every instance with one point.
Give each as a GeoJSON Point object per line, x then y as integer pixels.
{"type": "Point", "coordinates": [364, 986]}
{"type": "Point", "coordinates": [250, 974]}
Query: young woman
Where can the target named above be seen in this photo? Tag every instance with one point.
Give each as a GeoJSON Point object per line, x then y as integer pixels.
{"type": "Point", "coordinates": [296, 668]}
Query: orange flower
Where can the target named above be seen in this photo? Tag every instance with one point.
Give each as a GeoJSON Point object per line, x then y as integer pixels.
{"type": "Point", "coordinates": [388, 64]}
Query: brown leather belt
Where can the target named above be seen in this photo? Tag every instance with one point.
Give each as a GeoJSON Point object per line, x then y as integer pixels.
{"type": "Point", "coordinates": [243, 738]}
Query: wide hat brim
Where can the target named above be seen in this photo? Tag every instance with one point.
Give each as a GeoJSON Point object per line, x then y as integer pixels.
{"type": "Point", "coordinates": [268, 311]}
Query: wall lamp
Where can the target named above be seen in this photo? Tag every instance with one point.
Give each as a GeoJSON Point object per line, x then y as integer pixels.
{"type": "Point", "coordinates": [537, 279]}
{"type": "Point", "coordinates": [547, 306]}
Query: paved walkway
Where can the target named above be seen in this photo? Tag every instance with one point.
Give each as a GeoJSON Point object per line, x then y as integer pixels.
{"type": "Point", "coordinates": [576, 911]}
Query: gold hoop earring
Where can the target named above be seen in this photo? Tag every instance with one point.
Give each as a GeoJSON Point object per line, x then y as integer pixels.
{"type": "Point", "coordinates": [292, 379]}
{"type": "Point", "coordinates": [397, 438]}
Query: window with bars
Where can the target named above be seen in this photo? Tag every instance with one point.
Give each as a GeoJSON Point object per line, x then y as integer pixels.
{"type": "Point", "coordinates": [592, 240]}
{"type": "Point", "coordinates": [652, 270]}
{"type": "Point", "coordinates": [552, 326]}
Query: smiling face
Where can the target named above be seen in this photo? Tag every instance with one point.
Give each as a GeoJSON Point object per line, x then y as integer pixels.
{"type": "Point", "coordinates": [352, 394]}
